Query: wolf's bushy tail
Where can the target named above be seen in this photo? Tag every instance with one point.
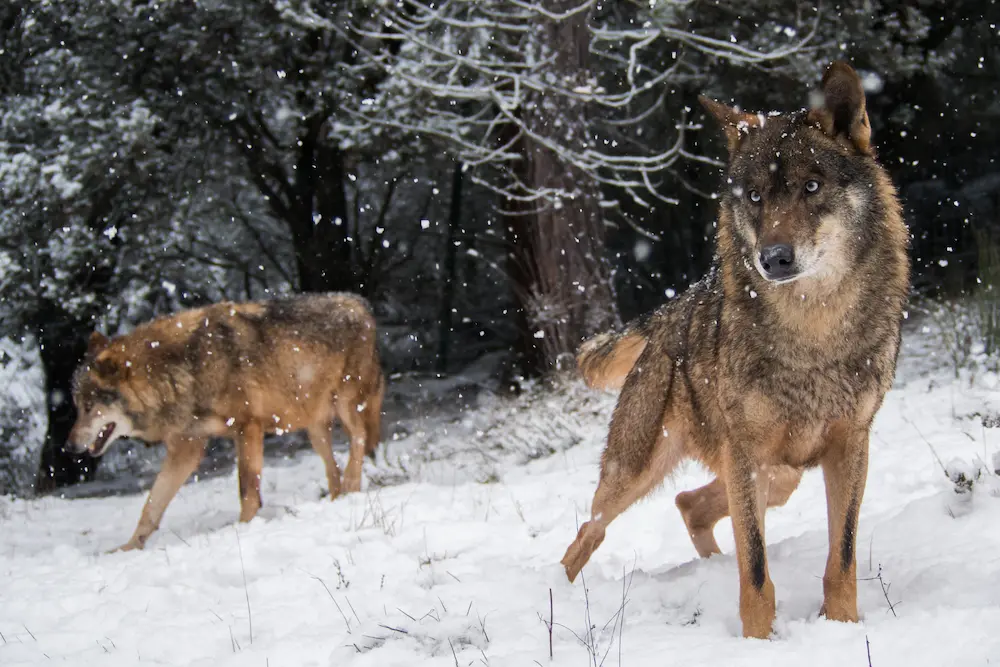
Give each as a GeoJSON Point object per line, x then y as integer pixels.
{"type": "Point", "coordinates": [606, 359]}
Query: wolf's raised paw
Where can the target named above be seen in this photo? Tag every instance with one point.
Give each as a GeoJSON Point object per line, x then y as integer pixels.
{"type": "Point", "coordinates": [131, 545]}
{"type": "Point", "coordinates": [587, 540]}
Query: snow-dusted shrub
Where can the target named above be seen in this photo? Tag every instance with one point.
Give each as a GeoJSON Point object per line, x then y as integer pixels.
{"type": "Point", "coordinates": [23, 416]}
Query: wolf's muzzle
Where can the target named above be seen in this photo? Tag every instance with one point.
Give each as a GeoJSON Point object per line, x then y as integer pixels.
{"type": "Point", "coordinates": [778, 261]}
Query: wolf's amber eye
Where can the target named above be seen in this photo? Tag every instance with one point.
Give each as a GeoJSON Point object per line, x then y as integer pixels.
{"type": "Point", "coordinates": [812, 186]}
{"type": "Point", "coordinates": [754, 196]}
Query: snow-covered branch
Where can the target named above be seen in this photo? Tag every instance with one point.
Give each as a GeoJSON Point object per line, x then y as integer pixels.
{"type": "Point", "coordinates": [474, 75]}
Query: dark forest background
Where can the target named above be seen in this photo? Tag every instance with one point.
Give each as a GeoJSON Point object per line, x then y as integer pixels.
{"type": "Point", "coordinates": [494, 176]}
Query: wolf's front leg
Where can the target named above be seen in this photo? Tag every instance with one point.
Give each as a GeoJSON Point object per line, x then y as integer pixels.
{"type": "Point", "coordinates": [249, 464]}
{"type": "Point", "coordinates": [321, 441]}
{"type": "Point", "coordinates": [845, 469]}
{"type": "Point", "coordinates": [183, 457]}
{"type": "Point", "coordinates": [747, 492]}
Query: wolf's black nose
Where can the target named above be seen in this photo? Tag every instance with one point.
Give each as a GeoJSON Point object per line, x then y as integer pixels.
{"type": "Point", "coordinates": [778, 261]}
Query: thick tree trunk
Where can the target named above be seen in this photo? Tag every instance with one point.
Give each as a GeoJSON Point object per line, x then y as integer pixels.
{"type": "Point", "coordinates": [309, 198]}
{"type": "Point", "coordinates": [445, 319]}
{"type": "Point", "coordinates": [62, 346]}
{"type": "Point", "coordinates": [62, 341]}
{"type": "Point", "coordinates": [562, 280]}
{"type": "Point", "coordinates": [319, 217]}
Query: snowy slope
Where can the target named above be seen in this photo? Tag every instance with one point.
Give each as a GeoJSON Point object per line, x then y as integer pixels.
{"type": "Point", "coordinates": [446, 570]}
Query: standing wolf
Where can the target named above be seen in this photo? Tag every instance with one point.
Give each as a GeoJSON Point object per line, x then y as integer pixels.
{"type": "Point", "coordinates": [779, 359]}
{"type": "Point", "coordinates": [236, 371]}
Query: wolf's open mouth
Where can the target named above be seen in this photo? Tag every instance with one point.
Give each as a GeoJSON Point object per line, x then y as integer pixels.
{"type": "Point", "coordinates": [102, 438]}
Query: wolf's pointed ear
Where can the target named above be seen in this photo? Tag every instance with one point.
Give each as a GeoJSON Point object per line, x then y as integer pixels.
{"type": "Point", "coordinates": [106, 367]}
{"type": "Point", "coordinates": [734, 123]}
{"type": "Point", "coordinates": [841, 111]}
{"type": "Point", "coordinates": [98, 342]}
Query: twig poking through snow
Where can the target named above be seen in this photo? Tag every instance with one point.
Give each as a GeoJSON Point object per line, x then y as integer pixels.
{"type": "Point", "coordinates": [399, 630]}
{"type": "Point", "coordinates": [621, 622]}
{"type": "Point", "coordinates": [619, 618]}
{"type": "Point", "coordinates": [453, 654]}
{"type": "Point", "coordinates": [482, 626]}
{"type": "Point", "coordinates": [885, 590]}
{"type": "Point", "coordinates": [175, 534]}
{"type": "Point", "coordinates": [347, 621]}
{"type": "Point", "coordinates": [868, 646]}
{"type": "Point", "coordinates": [928, 442]}
{"type": "Point", "coordinates": [552, 616]}
{"type": "Point", "coordinates": [352, 609]}
{"type": "Point", "coordinates": [246, 592]}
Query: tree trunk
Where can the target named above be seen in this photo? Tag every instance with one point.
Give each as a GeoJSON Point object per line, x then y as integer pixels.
{"type": "Point", "coordinates": [319, 223]}
{"type": "Point", "coordinates": [62, 342]}
{"type": "Point", "coordinates": [62, 346]}
{"type": "Point", "coordinates": [562, 280]}
{"type": "Point", "coordinates": [445, 320]}
{"type": "Point", "coordinates": [309, 198]}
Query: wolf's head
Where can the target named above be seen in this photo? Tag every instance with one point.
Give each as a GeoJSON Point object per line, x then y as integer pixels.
{"type": "Point", "coordinates": [802, 197]}
{"type": "Point", "coordinates": [102, 414]}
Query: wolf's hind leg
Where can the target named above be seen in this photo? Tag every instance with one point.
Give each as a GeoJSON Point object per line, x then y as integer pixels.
{"type": "Point", "coordinates": [701, 509]}
{"type": "Point", "coordinates": [645, 442]}
{"type": "Point", "coordinates": [624, 480]}
{"type": "Point", "coordinates": [349, 409]}
{"type": "Point", "coordinates": [373, 417]}
{"type": "Point", "coordinates": [183, 457]}
{"type": "Point", "coordinates": [249, 463]}
{"type": "Point", "coordinates": [321, 440]}
{"type": "Point", "coordinates": [704, 507]}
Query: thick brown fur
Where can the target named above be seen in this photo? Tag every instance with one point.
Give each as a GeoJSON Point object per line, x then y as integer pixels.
{"type": "Point", "coordinates": [605, 360]}
{"type": "Point", "coordinates": [761, 377]}
{"type": "Point", "coordinates": [235, 370]}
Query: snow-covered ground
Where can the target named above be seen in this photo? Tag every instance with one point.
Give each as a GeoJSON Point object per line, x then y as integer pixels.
{"type": "Point", "coordinates": [449, 556]}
